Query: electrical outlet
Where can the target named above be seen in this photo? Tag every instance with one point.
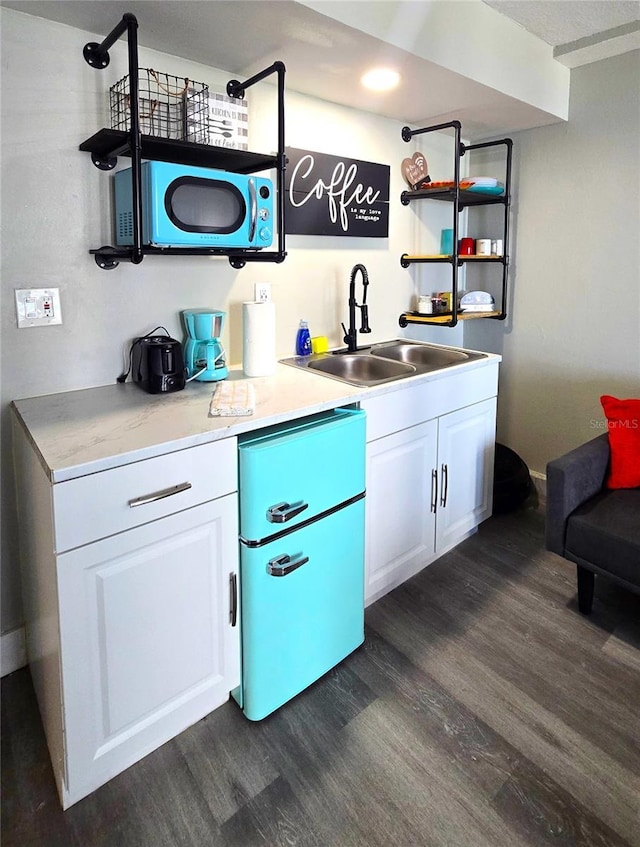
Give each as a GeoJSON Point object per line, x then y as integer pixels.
{"type": "Point", "coordinates": [262, 292]}
{"type": "Point", "coordinates": [38, 307]}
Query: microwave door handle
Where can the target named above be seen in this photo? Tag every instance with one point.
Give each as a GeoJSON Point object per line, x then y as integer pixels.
{"type": "Point", "coordinates": [253, 202]}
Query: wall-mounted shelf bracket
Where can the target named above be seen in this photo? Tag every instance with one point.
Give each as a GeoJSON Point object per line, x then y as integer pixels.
{"type": "Point", "coordinates": [97, 55]}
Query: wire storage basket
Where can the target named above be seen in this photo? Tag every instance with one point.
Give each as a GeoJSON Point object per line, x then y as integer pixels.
{"type": "Point", "coordinates": [169, 106]}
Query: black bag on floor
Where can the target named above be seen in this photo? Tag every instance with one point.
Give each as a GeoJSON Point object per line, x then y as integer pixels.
{"type": "Point", "coordinates": [512, 482]}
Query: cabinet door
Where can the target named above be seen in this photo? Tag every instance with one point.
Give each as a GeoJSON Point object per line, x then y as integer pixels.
{"type": "Point", "coordinates": [466, 444]}
{"type": "Point", "coordinates": [147, 643]}
{"type": "Point", "coordinates": [400, 525]}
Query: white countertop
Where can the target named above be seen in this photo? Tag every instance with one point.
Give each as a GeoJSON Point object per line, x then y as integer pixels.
{"type": "Point", "coordinates": [76, 433]}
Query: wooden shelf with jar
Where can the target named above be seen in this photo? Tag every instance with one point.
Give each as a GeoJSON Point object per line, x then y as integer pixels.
{"type": "Point", "coordinates": [440, 258]}
{"type": "Point", "coordinates": [444, 319]}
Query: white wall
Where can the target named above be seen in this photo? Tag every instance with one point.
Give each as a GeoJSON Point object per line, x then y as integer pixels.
{"type": "Point", "coordinates": [573, 331]}
{"type": "Point", "coordinates": [56, 205]}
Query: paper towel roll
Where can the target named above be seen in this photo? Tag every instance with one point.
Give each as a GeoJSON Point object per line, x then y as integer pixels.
{"type": "Point", "coordinates": [258, 339]}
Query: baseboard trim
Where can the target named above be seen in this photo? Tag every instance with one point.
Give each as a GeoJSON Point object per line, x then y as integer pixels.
{"type": "Point", "coordinates": [540, 483]}
{"type": "Point", "coordinates": [13, 651]}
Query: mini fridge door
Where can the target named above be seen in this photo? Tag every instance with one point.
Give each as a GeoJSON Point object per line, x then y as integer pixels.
{"type": "Point", "coordinates": [302, 608]}
{"type": "Point", "coordinates": [291, 473]}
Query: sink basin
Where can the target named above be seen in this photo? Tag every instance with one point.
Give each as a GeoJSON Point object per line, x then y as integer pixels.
{"type": "Point", "coordinates": [418, 354]}
{"type": "Point", "coordinates": [384, 362]}
{"type": "Point", "coordinates": [362, 370]}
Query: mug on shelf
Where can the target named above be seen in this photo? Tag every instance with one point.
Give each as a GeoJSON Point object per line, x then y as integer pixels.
{"type": "Point", "coordinates": [483, 247]}
{"type": "Point", "coordinates": [446, 242]}
{"type": "Point", "coordinates": [466, 247]}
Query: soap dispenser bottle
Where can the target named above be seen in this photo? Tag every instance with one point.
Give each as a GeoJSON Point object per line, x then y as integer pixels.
{"type": "Point", "coordinates": [303, 340]}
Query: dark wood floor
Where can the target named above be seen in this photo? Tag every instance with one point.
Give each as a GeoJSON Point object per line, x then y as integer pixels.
{"type": "Point", "coordinates": [482, 711]}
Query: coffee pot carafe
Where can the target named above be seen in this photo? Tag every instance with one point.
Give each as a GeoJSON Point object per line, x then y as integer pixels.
{"type": "Point", "coordinates": [204, 354]}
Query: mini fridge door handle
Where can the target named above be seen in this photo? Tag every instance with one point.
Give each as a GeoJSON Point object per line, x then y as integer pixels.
{"type": "Point", "coordinates": [282, 565]}
{"type": "Point", "coordinates": [233, 599]}
{"type": "Point", "coordinates": [282, 512]}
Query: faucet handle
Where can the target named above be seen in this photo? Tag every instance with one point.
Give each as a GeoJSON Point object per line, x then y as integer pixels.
{"type": "Point", "coordinates": [364, 309]}
{"type": "Point", "coordinates": [346, 333]}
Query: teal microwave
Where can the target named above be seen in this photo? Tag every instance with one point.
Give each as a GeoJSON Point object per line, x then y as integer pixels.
{"type": "Point", "coordinates": [185, 206]}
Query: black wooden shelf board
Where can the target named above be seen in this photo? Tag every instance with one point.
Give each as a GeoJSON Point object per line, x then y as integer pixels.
{"type": "Point", "coordinates": [107, 142]}
{"type": "Point", "coordinates": [147, 250]}
{"type": "Point", "coordinates": [465, 198]}
{"type": "Point", "coordinates": [417, 260]}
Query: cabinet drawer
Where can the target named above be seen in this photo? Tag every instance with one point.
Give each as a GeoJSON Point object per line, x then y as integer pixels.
{"type": "Point", "coordinates": [103, 504]}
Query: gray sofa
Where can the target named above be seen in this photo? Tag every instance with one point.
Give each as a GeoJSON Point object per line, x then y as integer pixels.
{"type": "Point", "coordinates": [596, 528]}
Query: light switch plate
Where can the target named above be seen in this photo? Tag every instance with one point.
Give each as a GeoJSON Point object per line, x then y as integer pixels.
{"type": "Point", "coordinates": [38, 307]}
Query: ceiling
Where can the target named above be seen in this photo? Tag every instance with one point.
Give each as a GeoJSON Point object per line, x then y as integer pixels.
{"type": "Point", "coordinates": [580, 31]}
{"type": "Point", "coordinates": [560, 22]}
{"type": "Point", "coordinates": [325, 57]}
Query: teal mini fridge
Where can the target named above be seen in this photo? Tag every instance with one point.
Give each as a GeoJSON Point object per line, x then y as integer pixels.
{"type": "Point", "coordinates": [302, 488]}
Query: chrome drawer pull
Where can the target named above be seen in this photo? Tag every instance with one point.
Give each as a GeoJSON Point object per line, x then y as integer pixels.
{"type": "Point", "coordinates": [160, 495]}
{"type": "Point", "coordinates": [282, 512]}
{"type": "Point", "coordinates": [282, 565]}
{"type": "Point", "coordinates": [434, 490]}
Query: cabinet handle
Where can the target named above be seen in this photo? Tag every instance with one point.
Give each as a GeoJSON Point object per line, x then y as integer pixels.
{"type": "Point", "coordinates": [434, 490]}
{"type": "Point", "coordinates": [282, 512]}
{"type": "Point", "coordinates": [233, 599]}
{"type": "Point", "coordinates": [282, 565]}
{"type": "Point", "coordinates": [160, 495]}
{"type": "Point", "coordinates": [445, 485]}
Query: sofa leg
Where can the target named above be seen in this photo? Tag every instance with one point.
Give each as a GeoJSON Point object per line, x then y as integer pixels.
{"type": "Point", "coordinates": [586, 581]}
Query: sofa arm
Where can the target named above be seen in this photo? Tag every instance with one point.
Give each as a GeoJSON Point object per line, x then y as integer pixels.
{"type": "Point", "coordinates": [571, 480]}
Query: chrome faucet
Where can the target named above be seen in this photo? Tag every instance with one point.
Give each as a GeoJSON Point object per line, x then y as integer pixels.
{"type": "Point", "coordinates": [351, 334]}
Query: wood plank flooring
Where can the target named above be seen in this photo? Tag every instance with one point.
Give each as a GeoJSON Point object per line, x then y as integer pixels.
{"type": "Point", "coordinates": [482, 711]}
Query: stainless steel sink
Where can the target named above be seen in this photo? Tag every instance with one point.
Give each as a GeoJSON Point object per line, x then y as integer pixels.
{"type": "Point", "coordinates": [357, 369]}
{"type": "Point", "coordinates": [384, 362]}
{"type": "Point", "coordinates": [419, 354]}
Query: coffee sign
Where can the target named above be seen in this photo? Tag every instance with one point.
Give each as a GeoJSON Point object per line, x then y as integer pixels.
{"type": "Point", "coordinates": [333, 195]}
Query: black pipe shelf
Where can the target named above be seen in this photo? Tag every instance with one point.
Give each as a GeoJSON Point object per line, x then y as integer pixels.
{"type": "Point", "coordinates": [447, 195]}
{"type": "Point", "coordinates": [444, 319]}
{"type": "Point", "coordinates": [107, 144]}
{"type": "Point", "coordinates": [108, 257]}
{"type": "Point", "coordinates": [460, 198]}
{"type": "Point", "coordinates": [406, 259]}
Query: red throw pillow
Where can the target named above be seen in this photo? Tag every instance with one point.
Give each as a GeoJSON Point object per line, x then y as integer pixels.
{"type": "Point", "coordinates": [623, 418]}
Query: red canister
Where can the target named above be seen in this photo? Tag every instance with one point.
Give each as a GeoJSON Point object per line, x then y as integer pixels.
{"type": "Point", "coordinates": [466, 247]}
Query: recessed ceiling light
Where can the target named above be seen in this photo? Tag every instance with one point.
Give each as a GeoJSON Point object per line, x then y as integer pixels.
{"type": "Point", "coordinates": [381, 79]}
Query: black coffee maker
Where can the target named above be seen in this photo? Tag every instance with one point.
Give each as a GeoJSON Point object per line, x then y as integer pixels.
{"type": "Point", "coordinates": [157, 363]}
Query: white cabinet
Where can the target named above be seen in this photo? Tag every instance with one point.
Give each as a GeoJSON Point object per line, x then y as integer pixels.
{"type": "Point", "coordinates": [429, 473]}
{"type": "Point", "coordinates": [466, 446]}
{"type": "Point", "coordinates": [132, 635]}
{"type": "Point", "coordinates": [400, 536]}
